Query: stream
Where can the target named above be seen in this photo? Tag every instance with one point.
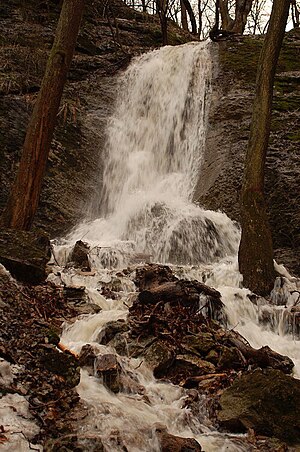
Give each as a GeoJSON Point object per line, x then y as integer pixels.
{"type": "Point", "coordinates": [155, 146]}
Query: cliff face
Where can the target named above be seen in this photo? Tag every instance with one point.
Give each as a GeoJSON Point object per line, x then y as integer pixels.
{"type": "Point", "coordinates": [221, 176]}
{"type": "Point", "coordinates": [107, 41]}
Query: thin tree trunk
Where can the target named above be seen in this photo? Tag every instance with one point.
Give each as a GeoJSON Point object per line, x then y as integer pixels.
{"type": "Point", "coordinates": [226, 20]}
{"type": "Point", "coordinates": [163, 10]}
{"type": "Point", "coordinates": [242, 10]}
{"type": "Point", "coordinates": [256, 250]}
{"type": "Point", "coordinates": [23, 200]}
{"type": "Point", "coordinates": [184, 22]}
{"type": "Point", "coordinates": [191, 16]}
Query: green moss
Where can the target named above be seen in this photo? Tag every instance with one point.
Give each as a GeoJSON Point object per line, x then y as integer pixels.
{"type": "Point", "coordinates": [241, 57]}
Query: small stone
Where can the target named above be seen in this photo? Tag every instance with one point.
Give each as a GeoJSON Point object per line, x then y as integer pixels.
{"type": "Point", "coordinates": [108, 368]}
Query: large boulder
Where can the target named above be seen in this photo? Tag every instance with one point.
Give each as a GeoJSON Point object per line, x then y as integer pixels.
{"type": "Point", "coordinates": [25, 254]}
{"type": "Point", "coordinates": [266, 401]}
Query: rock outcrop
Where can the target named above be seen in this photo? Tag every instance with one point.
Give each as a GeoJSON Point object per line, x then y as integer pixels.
{"type": "Point", "coordinates": [108, 38]}
{"type": "Point", "coordinates": [222, 171]}
{"type": "Point", "coordinates": [25, 254]}
{"type": "Point", "coordinates": [266, 401]}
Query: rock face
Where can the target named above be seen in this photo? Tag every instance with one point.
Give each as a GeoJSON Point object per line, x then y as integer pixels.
{"type": "Point", "coordinates": [222, 171]}
{"type": "Point", "coordinates": [266, 401]}
{"type": "Point", "coordinates": [74, 165]}
{"type": "Point", "coordinates": [25, 254]}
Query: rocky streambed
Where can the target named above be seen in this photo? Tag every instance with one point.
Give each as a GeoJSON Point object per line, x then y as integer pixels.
{"type": "Point", "coordinates": [161, 366]}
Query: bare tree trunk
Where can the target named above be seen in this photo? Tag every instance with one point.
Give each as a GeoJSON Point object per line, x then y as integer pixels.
{"type": "Point", "coordinates": [184, 22]}
{"type": "Point", "coordinates": [200, 19]}
{"type": "Point", "coordinates": [191, 15]}
{"type": "Point", "coordinates": [23, 200]}
{"type": "Point", "coordinates": [256, 249]}
{"type": "Point", "coordinates": [295, 14]}
{"type": "Point", "coordinates": [226, 20]}
{"type": "Point", "coordinates": [162, 11]}
{"type": "Point", "coordinates": [242, 10]}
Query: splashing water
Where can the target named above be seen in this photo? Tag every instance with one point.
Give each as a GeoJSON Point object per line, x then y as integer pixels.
{"type": "Point", "coordinates": [155, 146]}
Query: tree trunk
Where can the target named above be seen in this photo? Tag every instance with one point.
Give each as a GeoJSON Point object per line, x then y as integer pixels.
{"type": "Point", "coordinates": [191, 16]}
{"type": "Point", "coordinates": [23, 200]}
{"type": "Point", "coordinates": [163, 10]}
{"type": "Point", "coordinates": [256, 249]}
{"type": "Point", "coordinates": [184, 22]}
{"type": "Point", "coordinates": [242, 10]}
{"type": "Point", "coordinates": [226, 20]}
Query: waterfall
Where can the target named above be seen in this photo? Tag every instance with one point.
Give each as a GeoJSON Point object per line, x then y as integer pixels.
{"type": "Point", "coordinates": [155, 145]}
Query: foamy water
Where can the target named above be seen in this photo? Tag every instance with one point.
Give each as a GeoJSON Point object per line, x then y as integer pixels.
{"type": "Point", "coordinates": [156, 140]}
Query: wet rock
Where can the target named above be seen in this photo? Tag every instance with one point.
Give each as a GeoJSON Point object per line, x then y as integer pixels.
{"type": "Point", "coordinates": [137, 347]}
{"type": "Point", "coordinates": [87, 356]}
{"type": "Point", "coordinates": [79, 256]}
{"type": "Point", "coordinates": [172, 443]}
{"type": "Point", "coordinates": [231, 358]}
{"type": "Point", "coordinates": [25, 254]}
{"type": "Point", "coordinates": [111, 329]}
{"type": "Point", "coordinates": [120, 343]}
{"type": "Point", "coordinates": [74, 294]}
{"type": "Point", "coordinates": [266, 401]}
{"type": "Point", "coordinates": [159, 357]}
{"type": "Point", "coordinates": [199, 344]}
{"type": "Point", "coordinates": [186, 366]}
{"type": "Point", "coordinates": [108, 368]}
{"type": "Point", "coordinates": [71, 443]}
{"type": "Point", "coordinates": [153, 275]}
{"type": "Point", "coordinates": [62, 364]}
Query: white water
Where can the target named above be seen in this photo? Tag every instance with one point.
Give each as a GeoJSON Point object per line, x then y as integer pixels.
{"type": "Point", "coordinates": [156, 140]}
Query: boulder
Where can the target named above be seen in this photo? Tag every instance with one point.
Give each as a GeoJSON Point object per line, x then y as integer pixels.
{"type": "Point", "coordinates": [186, 366]}
{"type": "Point", "coordinates": [198, 344]}
{"type": "Point", "coordinates": [108, 368]}
{"type": "Point", "coordinates": [266, 401]}
{"type": "Point", "coordinates": [153, 275]}
{"type": "Point", "coordinates": [87, 356]}
{"type": "Point", "coordinates": [79, 256]}
{"type": "Point", "coordinates": [172, 443]}
{"type": "Point", "coordinates": [111, 329]}
{"type": "Point", "coordinates": [25, 254]}
{"type": "Point", "coordinates": [159, 357]}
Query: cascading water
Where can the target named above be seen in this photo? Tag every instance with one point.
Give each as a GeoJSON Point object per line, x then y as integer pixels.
{"type": "Point", "coordinates": [155, 144]}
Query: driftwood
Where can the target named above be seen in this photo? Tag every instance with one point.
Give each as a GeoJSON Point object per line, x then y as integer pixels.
{"type": "Point", "coordinates": [263, 357]}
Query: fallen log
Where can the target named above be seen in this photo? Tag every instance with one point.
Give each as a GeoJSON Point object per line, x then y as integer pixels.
{"type": "Point", "coordinates": [263, 357]}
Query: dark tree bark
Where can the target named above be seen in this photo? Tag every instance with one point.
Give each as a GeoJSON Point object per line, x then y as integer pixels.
{"type": "Point", "coordinates": [256, 249]}
{"type": "Point", "coordinates": [24, 197]}
{"type": "Point", "coordinates": [242, 10]}
{"type": "Point", "coordinates": [191, 15]}
{"type": "Point", "coordinates": [226, 19]}
{"type": "Point", "coordinates": [162, 12]}
{"type": "Point", "coordinates": [184, 22]}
